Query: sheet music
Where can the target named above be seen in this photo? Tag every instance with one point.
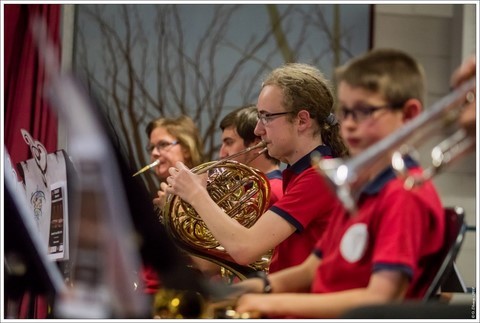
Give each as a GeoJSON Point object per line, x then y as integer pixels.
{"type": "Point", "coordinates": [14, 187]}
{"type": "Point", "coordinates": [39, 188]}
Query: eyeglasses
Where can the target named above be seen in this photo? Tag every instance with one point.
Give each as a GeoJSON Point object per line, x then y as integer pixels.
{"type": "Point", "coordinates": [265, 117]}
{"type": "Point", "coordinates": [361, 113]}
{"type": "Point", "coordinates": [161, 145]}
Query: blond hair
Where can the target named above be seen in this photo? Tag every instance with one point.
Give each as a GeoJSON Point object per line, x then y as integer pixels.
{"type": "Point", "coordinates": [306, 88]}
{"type": "Point", "coordinates": [183, 128]}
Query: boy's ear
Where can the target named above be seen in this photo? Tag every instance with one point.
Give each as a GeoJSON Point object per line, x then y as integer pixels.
{"type": "Point", "coordinates": [411, 109]}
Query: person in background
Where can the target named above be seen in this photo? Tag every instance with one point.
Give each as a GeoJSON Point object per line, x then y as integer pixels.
{"type": "Point", "coordinates": [467, 70]}
{"type": "Point", "coordinates": [238, 128]}
{"type": "Point", "coordinates": [237, 135]}
{"type": "Point", "coordinates": [170, 140]}
{"type": "Point", "coordinates": [295, 119]}
{"type": "Point", "coordinates": [382, 253]}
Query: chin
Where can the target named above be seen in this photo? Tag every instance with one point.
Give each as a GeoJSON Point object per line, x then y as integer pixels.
{"type": "Point", "coordinates": [275, 156]}
{"type": "Point", "coordinates": [354, 152]}
{"type": "Point", "coordinates": [161, 175]}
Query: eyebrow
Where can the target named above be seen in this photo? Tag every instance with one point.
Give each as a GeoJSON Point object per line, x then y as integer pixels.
{"type": "Point", "coordinates": [165, 141]}
{"type": "Point", "coordinates": [264, 111]}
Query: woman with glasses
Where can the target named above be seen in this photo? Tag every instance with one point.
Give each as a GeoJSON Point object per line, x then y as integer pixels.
{"type": "Point", "coordinates": [171, 140]}
{"type": "Point", "coordinates": [295, 119]}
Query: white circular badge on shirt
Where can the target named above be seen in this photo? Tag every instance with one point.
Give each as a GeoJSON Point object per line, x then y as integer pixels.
{"type": "Point", "coordinates": [354, 242]}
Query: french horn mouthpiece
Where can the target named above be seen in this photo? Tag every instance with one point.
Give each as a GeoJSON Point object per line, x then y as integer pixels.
{"type": "Point", "coordinates": [155, 163]}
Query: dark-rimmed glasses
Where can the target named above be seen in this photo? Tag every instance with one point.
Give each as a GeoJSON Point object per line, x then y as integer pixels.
{"type": "Point", "coordinates": [265, 117]}
{"type": "Point", "coordinates": [161, 145]}
{"type": "Point", "coordinates": [362, 112]}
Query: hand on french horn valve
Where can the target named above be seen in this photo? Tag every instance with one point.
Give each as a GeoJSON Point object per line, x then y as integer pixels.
{"type": "Point", "coordinates": [159, 201]}
{"type": "Point", "coordinates": [183, 182]}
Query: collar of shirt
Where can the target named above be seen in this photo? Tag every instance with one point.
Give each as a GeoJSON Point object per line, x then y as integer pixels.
{"type": "Point", "coordinates": [274, 174]}
{"type": "Point", "coordinates": [386, 176]}
{"type": "Point", "coordinates": [306, 161]}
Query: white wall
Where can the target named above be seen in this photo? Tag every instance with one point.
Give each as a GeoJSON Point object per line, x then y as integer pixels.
{"type": "Point", "coordinates": [439, 36]}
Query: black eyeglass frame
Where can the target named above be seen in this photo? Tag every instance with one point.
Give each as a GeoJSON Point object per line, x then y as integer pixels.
{"type": "Point", "coordinates": [365, 111]}
{"type": "Point", "coordinates": [265, 117]}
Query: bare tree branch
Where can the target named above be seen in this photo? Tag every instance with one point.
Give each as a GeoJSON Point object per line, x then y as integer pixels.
{"type": "Point", "coordinates": [144, 72]}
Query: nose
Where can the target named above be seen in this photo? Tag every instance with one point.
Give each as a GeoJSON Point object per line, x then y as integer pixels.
{"type": "Point", "coordinates": [348, 123]}
{"type": "Point", "coordinates": [155, 154]}
{"type": "Point", "coordinates": [259, 129]}
{"type": "Point", "coordinates": [223, 152]}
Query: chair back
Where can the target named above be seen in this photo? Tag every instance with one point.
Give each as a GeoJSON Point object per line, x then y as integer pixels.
{"type": "Point", "coordinates": [455, 228]}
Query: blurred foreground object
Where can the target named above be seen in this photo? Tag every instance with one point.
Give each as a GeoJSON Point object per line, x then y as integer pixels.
{"type": "Point", "coordinates": [113, 228]}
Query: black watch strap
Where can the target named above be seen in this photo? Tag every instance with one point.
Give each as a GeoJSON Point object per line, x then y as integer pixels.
{"type": "Point", "coordinates": [267, 287]}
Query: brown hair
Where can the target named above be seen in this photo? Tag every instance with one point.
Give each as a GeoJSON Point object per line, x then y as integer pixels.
{"type": "Point", "coordinates": [392, 73]}
{"type": "Point", "coordinates": [305, 88]}
{"type": "Point", "coordinates": [244, 119]}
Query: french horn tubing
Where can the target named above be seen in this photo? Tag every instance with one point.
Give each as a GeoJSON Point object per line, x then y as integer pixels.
{"type": "Point", "coordinates": [348, 177]}
{"type": "Point", "coordinates": [242, 192]}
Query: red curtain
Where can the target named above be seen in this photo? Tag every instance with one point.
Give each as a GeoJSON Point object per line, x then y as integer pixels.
{"type": "Point", "coordinates": [25, 105]}
{"type": "Point", "coordinates": [24, 76]}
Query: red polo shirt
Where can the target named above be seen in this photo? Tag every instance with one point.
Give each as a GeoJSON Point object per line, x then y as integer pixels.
{"type": "Point", "coordinates": [393, 229]}
{"type": "Point", "coordinates": [307, 204]}
{"type": "Point", "coordinates": [276, 188]}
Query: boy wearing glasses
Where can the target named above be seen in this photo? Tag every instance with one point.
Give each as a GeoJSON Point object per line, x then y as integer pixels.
{"type": "Point", "coordinates": [295, 119]}
{"type": "Point", "coordinates": [382, 252]}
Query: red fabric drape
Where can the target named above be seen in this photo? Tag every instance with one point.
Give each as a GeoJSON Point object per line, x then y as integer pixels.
{"type": "Point", "coordinates": [25, 104]}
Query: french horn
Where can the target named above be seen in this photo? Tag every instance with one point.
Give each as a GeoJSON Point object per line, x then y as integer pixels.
{"type": "Point", "coordinates": [242, 192]}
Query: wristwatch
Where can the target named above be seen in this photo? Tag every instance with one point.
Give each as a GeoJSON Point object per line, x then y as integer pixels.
{"type": "Point", "coordinates": [267, 287]}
